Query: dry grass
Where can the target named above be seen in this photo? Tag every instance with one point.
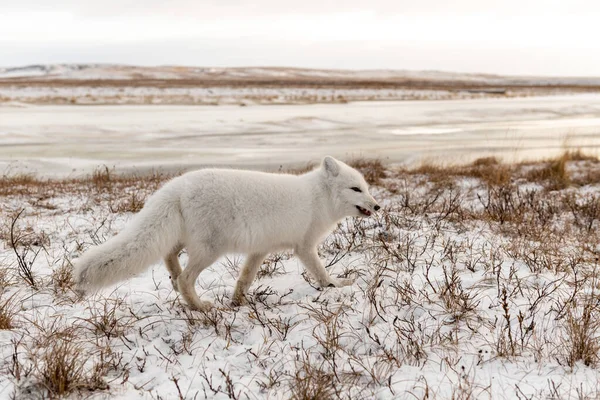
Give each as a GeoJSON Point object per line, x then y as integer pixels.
{"type": "Point", "coordinates": [312, 381]}
{"type": "Point", "coordinates": [12, 184]}
{"type": "Point", "coordinates": [101, 177]}
{"type": "Point", "coordinates": [582, 332]}
{"type": "Point", "coordinates": [5, 278]}
{"type": "Point", "coordinates": [372, 169]}
{"type": "Point", "coordinates": [8, 310]}
{"type": "Point", "coordinates": [101, 182]}
{"type": "Point", "coordinates": [61, 368]}
{"type": "Point", "coordinates": [108, 321]}
{"type": "Point", "coordinates": [62, 277]}
{"type": "Point", "coordinates": [488, 170]}
{"type": "Point", "coordinates": [131, 204]}
{"type": "Point", "coordinates": [60, 362]}
{"type": "Point", "coordinates": [580, 155]}
{"type": "Point", "coordinates": [553, 174]}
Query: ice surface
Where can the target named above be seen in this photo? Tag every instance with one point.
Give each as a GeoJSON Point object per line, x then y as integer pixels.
{"type": "Point", "coordinates": [62, 140]}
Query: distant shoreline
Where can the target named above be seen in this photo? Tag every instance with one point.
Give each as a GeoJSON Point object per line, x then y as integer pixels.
{"type": "Point", "coordinates": [90, 84]}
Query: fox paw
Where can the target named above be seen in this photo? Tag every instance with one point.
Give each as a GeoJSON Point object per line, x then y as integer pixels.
{"type": "Point", "coordinates": [201, 305]}
{"type": "Point", "coordinates": [239, 300]}
{"type": "Point", "coordinates": [340, 282]}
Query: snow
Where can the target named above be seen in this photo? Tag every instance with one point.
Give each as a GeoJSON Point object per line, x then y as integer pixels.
{"type": "Point", "coordinates": [94, 95]}
{"type": "Point", "coordinates": [395, 311]}
{"type": "Point", "coordinates": [22, 72]}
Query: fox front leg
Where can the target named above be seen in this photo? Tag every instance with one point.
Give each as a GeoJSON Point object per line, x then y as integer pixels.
{"type": "Point", "coordinates": [314, 266]}
{"type": "Point", "coordinates": [249, 271]}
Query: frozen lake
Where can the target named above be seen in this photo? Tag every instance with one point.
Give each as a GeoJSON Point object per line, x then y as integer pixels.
{"type": "Point", "coordinates": [62, 140]}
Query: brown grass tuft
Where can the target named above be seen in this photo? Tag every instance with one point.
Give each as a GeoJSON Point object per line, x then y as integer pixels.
{"type": "Point", "coordinates": [5, 279]}
{"type": "Point", "coordinates": [489, 170]}
{"type": "Point", "coordinates": [311, 381]}
{"type": "Point", "coordinates": [372, 169]}
{"type": "Point", "coordinates": [553, 174]}
{"type": "Point", "coordinates": [101, 177]}
{"type": "Point", "coordinates": [108, 321]}
{"type": "Point", "coordinates": [579, 155]}
{"type": "Point", "coordinates": [486, 161]}
{"type": "Point", "coordinates": [8, 309]}
{"type": "Point", "coordinates": [582, 327]}
{"type": "Point", "coordinates": [61, 369]}
{"type": "Point", "coordinates": [62, 277]}
{"type": "Point", "coordinates": [16, 184]}
{"type": "Point", "coordinates": [131, 204]}
{"type": "Point", "coordinates": [429, 168]}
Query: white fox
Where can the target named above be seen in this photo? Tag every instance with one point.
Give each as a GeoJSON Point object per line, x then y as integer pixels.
{"type": "Point", "coordinates": [212, 212]}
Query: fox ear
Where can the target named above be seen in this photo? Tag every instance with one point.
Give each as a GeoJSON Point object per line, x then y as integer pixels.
{"type": "Point", "coordinates": [331, 166]}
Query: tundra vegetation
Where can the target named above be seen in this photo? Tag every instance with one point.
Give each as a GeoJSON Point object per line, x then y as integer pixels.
{"type": "Point", "coordinates": [476, 281]}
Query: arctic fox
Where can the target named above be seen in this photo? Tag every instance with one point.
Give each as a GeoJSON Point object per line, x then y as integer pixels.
{"type": "Point", "coordinates": [212, 212]}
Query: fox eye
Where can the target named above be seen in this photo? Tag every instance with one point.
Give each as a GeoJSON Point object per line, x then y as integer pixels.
{"type": "Point", "coordinates": [356, 189]}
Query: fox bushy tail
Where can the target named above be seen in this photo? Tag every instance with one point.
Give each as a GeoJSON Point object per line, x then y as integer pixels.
{"type": "Point", "coordinates": [152, 234]}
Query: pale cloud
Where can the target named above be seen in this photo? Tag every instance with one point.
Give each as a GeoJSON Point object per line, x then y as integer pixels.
{"type": "Point", "coordinates": [517, 37]}
{"type": "Point", "coordinates": [225, 8]}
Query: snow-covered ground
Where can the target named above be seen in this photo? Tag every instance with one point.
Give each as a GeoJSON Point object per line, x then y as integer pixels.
{"type": "Point", "coordinates": [468, 288]}
{"type": "Point", "coordinates": [99, 95]}
{"type": "Point", "coordinates": [131, 72]}
{"type": "Point", "coordinates": [69, 140]}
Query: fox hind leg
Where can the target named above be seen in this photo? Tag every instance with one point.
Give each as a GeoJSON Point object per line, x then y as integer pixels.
{"type": "Point", "coordinates": [172, 263]}
{"type": "Point", "coordinates": [198, 261]}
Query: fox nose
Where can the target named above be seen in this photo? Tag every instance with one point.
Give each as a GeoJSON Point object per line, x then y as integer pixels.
{"type": "Point", "coordinates": [376, 207]}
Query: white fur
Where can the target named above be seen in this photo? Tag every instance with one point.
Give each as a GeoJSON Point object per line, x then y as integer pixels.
{"type": "Point", "coordinates": [212, 212]}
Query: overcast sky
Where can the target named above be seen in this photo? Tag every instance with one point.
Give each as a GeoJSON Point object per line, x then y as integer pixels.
{"type": "Point", "coordinates": [532, 37]}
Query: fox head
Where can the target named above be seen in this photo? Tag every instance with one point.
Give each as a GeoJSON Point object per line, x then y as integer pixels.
{"type": "Point", "coordinates": [348, 189]}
